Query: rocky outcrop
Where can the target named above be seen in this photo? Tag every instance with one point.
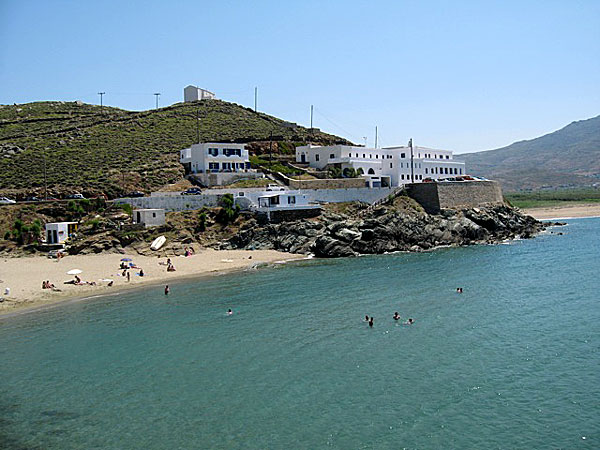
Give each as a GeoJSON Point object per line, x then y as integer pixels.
{"type": "Point", "coordinates": [387, 229]}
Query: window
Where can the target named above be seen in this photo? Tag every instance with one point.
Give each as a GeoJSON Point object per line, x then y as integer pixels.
{"type": "Point", "coordinates": [460, 171]}
{"type": "Point", "coordinates": [402, 155]}
{"type": "Point", "coordinates": [447, 156]}
{"type": "Point", "coordinates": [247, 165]}
{"type": "Point", "coordinates": [402, 177]}
{"type": "Point", "coordinates": [153, 214]}
{"type": "Point", "coordinates": [455, 171]}
{"type": "Point", "coordinates": [370, 156]}
{"type": "Point", "coordinates": [376, 156]}
{"type": "Point", "coordinates": [317, 157]}
{"type": "Point", "coordinates": [426, 171]}
{"type": "Point", "coordinates": [363, 156]}
{"type": "Point", "coordinates": [371, 171]}
{"type": "Point", "coordinates": [331, 156]}
{"type": "Point", "coordinates": [446, 170]}
{"type": "Point", "coordinates": [391, 165]}
{"type": "Point", "coordinates": [213, 151]}
{"type": "Point", "coordinates": [213, 166]}
{"type": "Point", "coordinates": [291, 199]}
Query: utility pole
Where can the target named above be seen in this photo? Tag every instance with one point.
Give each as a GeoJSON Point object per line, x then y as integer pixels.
{"type": "Point", "coordinates": [412, 165]}
{"type": "Point", "coordinates": [101, 94]}
{"type": "Point", "coordinates": [45, 178]}
{"type": "Point", "coordinates": [376, 136]}
{"type": "Point", "coordinates": [157, 94]}
{"type": "Point", "coordinates": [271, 149]}
{"type": "Point", "coordinates": [311, 117]}
{"type": "Point", "coordinates": [255, 97]}
{"type": "Point", "coordinates": [198, 126]}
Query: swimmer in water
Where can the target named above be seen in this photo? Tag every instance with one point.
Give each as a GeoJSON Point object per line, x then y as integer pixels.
{"type": "Point", "coordinates": [371, 322]}
{"type": "Point", "coordinates": [366, 318]}
{"type": "Point", "coordinates": [229, 312]}
{"type": "Point", "coordinates": [167, 290]}
{"type": "Point", "coordinates": [396, 316]}
{"type": "Point", "coordinates": [410, 322]}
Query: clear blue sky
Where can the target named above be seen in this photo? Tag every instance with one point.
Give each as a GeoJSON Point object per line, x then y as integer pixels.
{"type": "Point", "coordinates": [459, 75]}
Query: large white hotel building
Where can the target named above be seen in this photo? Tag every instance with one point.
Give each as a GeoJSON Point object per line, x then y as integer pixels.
{"type": "Point", "coordinates": [389, 166]}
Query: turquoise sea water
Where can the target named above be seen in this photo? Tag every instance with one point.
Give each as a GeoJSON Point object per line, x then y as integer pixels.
{"type": "Point", "coordinates": [511, 363]}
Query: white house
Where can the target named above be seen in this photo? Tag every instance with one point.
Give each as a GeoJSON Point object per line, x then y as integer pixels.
{"type": "Point", "coordinates": [59, 232]}
{"type": "Point", "coordinates": [149, 217]}
{"type": "Point", "coordinates": [389, 166]}
{"type": "Point", "coordinates": [193, 93]}
{"type": "Point", "coordinates": [215, 157]}
{"type": "Point", "coordinates": [284, 200]}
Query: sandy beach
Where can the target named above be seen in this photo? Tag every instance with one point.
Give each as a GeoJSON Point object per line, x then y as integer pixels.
{"type": "Point", "coordinates": [24, 275]}
{"type": "Point", "coordinates": [564, 212]}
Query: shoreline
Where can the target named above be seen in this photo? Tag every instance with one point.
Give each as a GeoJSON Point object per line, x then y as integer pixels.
{"type": "Point", "coordinates": [562, 212]}
{"type": "Point", "coordinates": [24, 275]}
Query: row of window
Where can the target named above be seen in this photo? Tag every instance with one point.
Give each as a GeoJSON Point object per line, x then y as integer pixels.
{"type": "Point", "coordinates": [226, 151]}
{"type": "Point", "coordinates": [227, 166]}
{"type": "Point", "coordinates": [402, 156]}
{"type": "Point", "coordinates": [417, 177]}
{"type": "Point", "coordinates": [445, 171]}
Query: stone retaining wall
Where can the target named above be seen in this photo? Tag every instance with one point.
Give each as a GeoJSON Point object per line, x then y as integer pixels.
{"type": "Point", "coordinates": [436, 196]}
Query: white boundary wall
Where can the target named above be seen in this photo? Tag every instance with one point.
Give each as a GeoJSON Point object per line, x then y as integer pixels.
{"type": "Point", "coordinates": [177, 202]}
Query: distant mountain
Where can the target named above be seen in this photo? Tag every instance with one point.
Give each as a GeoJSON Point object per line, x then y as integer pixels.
{"type": "Point", "coordinates": [92, 149]}
{"type": "Point", "coordinates": [568, 157]}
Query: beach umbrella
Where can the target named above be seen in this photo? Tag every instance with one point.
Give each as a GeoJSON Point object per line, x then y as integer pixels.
{"type": "Point", "coordinates": [74, 272]}
{"type": "Point", "coordinates": [126, 259]}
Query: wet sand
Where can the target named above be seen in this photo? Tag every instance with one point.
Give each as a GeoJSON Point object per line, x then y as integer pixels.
{"type": "Point", "coordinates": [24, 275]}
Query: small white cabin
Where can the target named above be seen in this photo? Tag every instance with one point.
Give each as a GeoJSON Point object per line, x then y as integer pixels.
{"type": "Point", "coordinates": [284, 200]}
{"type": "Point", "coordinates": [149, 217]}
{"type": "Point", "coordinates": [59, 232]}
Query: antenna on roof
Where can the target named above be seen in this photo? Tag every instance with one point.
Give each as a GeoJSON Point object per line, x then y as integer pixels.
{"type": "Point", "coordinates": [375, 136]}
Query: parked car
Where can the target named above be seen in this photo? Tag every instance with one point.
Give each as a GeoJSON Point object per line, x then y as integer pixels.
{"type": "Point", "coordinates": [75, 197]}
{"type": "Point", "coordinates": [275, 187]}
{"type": "Point", "coordinates": [6, 201]}
{"type": "Point", "coordinates": [33, 199]}
{"type": "Point", "coordinates": [135, 194]}
{"type": "Point", "coordinates": [192, 191]}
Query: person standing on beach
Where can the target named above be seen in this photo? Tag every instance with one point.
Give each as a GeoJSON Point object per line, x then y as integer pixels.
{"type": "Point", "coordinates": [167, 290]}
{"type": "Point", "coordinates": [128, 276]}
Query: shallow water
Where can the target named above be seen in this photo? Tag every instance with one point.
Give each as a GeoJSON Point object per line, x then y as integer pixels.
{"type": "Point", "coordinates": [513, 362]}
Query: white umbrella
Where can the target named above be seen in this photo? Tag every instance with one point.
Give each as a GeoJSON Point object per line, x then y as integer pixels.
{"type": "Point", "coordinates": [74, 272]}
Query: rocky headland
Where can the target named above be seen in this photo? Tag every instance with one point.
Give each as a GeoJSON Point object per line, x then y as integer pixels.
{"type": "Point", "coordinates": [400, 225]}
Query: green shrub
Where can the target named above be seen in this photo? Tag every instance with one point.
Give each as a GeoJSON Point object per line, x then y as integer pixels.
{"type": "Point", "coordinates": [228, 212]}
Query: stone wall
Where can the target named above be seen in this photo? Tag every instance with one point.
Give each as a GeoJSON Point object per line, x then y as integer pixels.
{"type": "Point", "coordinates": [286, 215]}
{"type": "Point", "coordinates": [436, 196]}
{"type": "Point", "coordinates": [328, 183]}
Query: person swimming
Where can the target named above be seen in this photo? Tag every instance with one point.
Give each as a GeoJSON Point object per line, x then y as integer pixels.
{"type": "Point", "coordinates": [366, 318]}
{"type": "Point", "coordinates": [410, 321]}
{"type": "Point", "coordinates": [396, 316]}
{"type": "Point", "coordinates": [167, 290]}
{"type": "Point", "coordinates": [371, 322]}
{"type": "Point", "coordinates": [229, 312]}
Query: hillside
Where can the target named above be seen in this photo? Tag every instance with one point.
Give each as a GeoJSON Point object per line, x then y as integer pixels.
{"type": "Point", "coordinates": [566, 158]}
{"type": "Point", "coordinates": [110, 150]}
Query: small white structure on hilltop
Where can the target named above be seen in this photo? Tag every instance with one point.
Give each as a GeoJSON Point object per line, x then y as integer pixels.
{"type": "Point", "coordinates": [149, 217]}
{"type": "Point", "coordinates": [383, 167]}
{"type": "Point", "coordinates": [59, 232]}
{"type": "Point", "coordinates": [194, 93]}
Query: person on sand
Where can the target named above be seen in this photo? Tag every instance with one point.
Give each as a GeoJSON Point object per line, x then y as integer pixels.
{"type": "Point", "coordinates": [170, 268]}
{"type": "Point", "coordinates": [168, 261]}
{"type": "Point", "coordinates": [371, 322]}
{"type": "Point", "coordinates": [44, 286]}
{"type": "Point", "coordinates": [124, 273]}
{"type": "Point", "coordinates": [128, 276]}
{"type": "Point", "coordinates": [141, 272]}
{"type": "Point", "coordinates": [396, 316]}
{"type": "Point", "coordinates": [110, 283]}
{"type": "Point", "coordinates": [167, 290]}
{"type": "Point", "coordinates": [77, 280]}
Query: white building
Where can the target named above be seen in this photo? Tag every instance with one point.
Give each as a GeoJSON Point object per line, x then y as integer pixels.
{"type": "Point", "coordinates": [193, 93]}
{"type": "Point", "coordinates": [389, 166]}
{"type": "Point", "coordinates": [59, 232]}
{"type": "Point", "coordinates": [215, 157]}
{"type": "Point", "coordinates": [149, 217]}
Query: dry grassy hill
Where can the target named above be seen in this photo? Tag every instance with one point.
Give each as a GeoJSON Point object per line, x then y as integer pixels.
{"type": "Point", "coordinates": [110, 150]}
